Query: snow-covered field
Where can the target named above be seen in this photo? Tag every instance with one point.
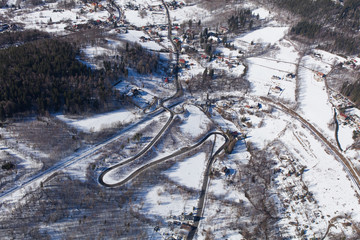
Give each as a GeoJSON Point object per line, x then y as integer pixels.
{"type": "Point", "coordinates": [266, 35]}
{"type": "Point", "coordinates": [313, 96]}
{"type": "Point", "coordinates": [333, 191]}
{"type": "Point", "coordinates": [195, 122]}
{"type": "Point", "coordinates": [134, 36]}
{"type": "Point", "coordinates": [189, 172]}
{"type": "Point", "coordinates": [101, 121]}
{"type": "Point", "coordinates": [310, 186]}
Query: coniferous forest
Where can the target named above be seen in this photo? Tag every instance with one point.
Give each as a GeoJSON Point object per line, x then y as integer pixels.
{"type": "Point", "coordinates": [45, 75]}
{"type": "Point", "coordinates": [332, 25]}
{"type": "Point", "coordinates": [13, 38]}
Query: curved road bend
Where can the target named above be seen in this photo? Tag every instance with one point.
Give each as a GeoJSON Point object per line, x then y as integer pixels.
{"type": "Point", "coordinates": [177, 153]}
{"type": "Point", "coordinates": [343, 160]}
{"type": "Point", "coordinates": [143, 151]}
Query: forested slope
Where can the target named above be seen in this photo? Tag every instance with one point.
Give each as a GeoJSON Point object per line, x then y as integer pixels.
{"type": "Point", "coordinates": [333, 26]}
{"type": "Point", "coordinates": [44, 76]}
{"type": "Point", "coordinates": [352, 91]}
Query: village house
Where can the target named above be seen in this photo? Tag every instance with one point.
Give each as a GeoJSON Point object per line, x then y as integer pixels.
{"type": "Point", "coordinates": [343, 117]}
{"type": "Point", "coordinates": [187, 217]}
{"type": "Point", "coordinates": [277, 89]}
{"type": "Point", "coordinates": [223, 30]}
{"type": "Point", "coordinates": [225, 171]}
{"type": "Point", "coordinates": [94, 6]}
{"type": "Point", "coordinates": [274, 77]}
{"type": "Point", "coordinates": [185, 229]}
{"type": "Point", "coordinates": [319, 76]}
{"type": "Point", "coordinates": [290, 75]}
{"type": "Point", "coordinates": [182, 63]}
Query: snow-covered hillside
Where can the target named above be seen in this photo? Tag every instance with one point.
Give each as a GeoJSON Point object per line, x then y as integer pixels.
{"type": "Point", "coordinates": [254, 94]}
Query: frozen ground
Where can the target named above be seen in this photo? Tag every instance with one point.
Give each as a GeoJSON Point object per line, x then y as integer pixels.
{"type": "Point", "coordinates": [266, 35]}
{"type": "Point", "coordinates": [333, 191]}
{"type": "Point", "coordinates": [262, 12]}
{"type": "Point", "coordinates": [345, 136]}
{"type": "Point", "coordinates": [189, 172]}
{"type": "Point", "coordinates": [268, 73]}
{"type": "Point", "coordinates": [101, 121]}
{"type": "Point", "coordinates": [196, 122]}
{"type": "Point", "coordinates": [334, 194]}
{"type": "Point", "coordinates": [314, 100]}
{"type": "Point", "coordinates": [134, 36]}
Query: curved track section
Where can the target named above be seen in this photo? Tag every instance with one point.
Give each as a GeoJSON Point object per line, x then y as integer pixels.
{"type": "Point", "coordinates": [203, 191]}
{"type": "Point", "coordinates": [143, 151]}
{"type": "Point", "coordinates": [149, 165]}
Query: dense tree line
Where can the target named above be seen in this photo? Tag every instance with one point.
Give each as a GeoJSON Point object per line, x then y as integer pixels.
{"type": "Point", "coordinates": [241, 19]}
{"type": "Point", "coordinates": [20, 37]}
{"type": "Point", "coordinates": [45, 76]}
{"type": "Point", "coordinates": [308, 8]}
{"type": "Point", "coordinates": [133, 55]}
{"type": "Point", "coordinates": [306, 28]}
{"type": "Point", "coordinates": [352, 90]}
{"type": "Point", "coordinates": [326, 21]}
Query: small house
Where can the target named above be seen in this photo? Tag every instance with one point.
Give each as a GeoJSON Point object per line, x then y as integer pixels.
{"type": "Point", "coordinates": [344, 117]}
{"type": "Point", "coordinates": [93, 6]}
{"type": "Point", "coordinates": [142, 39]}
{"type": "Point", "coordinates": [278, 88]}
{"type": "Point", "coordinates": [223, 30]}
{"type": "Point", "coordinates": [290, 75]}
{"type": "Point", "coordinates": [274, 77]}
{"type": "Point", "coordinates": [182, 62]}
{"type": "Point", "coordinates": [234, 134]}
{"type": "Point", "coordinates": [225, 170]}
{"type": "Point", "coordinates": [185, 229]}
{"type": "Point", "coordinates": [188, 217]}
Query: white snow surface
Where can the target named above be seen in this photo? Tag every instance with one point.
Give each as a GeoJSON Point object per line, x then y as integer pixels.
{"type": "Point", "coordinates": [277, 63]}
{"type": "Point", "coordinates": [264, 35]}
{"type": "Point", "coordinates": [195, 122]}
{"type": "Point", "coordinates": [134, 36]}
{"type": "Point", "coordinates": [345, 135]}
{"type": "Point", "coordinates": [158, 202]}
{"type": "Point", "coordinates": [189, 172]}
{"type": "Point", "coordinates": [314, 102]}
{"type": "Point", "coordinates": [326, 177]}
{"type": "Point", "coordinates": [101, 121]}
{"type": "Point", "coordinates": [263, 13]}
